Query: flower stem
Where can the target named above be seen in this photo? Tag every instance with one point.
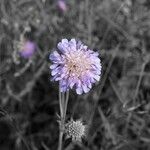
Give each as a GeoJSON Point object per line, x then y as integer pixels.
{"type": "Point", "coordinates": [60, 140]}
{"type": "Point", "coordinates": [63, 102]}
{"type": "Point", "coordinates": [66, 103]}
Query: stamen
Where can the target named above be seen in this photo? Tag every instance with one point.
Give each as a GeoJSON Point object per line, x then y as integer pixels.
{"type": "Point", "coordinates": [77, 64]}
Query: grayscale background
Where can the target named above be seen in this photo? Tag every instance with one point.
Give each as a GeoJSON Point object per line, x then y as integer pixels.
{"type": "Point", "coordinates": [118, 106]}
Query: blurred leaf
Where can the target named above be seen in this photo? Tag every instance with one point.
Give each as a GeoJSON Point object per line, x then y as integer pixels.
{"type": "Point", "coordinates": [41, 117]}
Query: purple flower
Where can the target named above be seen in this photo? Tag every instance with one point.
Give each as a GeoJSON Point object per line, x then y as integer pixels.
{"type": "Point", "coordinates": [27, 49]}
{"type": "Point", "coordinates": [62, 5]}
{"type": "Point", "coordinates": [75, 66]}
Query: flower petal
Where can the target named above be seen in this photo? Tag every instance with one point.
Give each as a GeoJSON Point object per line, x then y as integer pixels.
{"type": "Point", "coordinates": [79, 90]}
{"type": "Point", "coordinates": [85, 88]}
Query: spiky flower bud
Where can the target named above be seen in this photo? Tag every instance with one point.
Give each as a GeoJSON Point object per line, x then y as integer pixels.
{"type": "Point", "coordinates": [75, 130]}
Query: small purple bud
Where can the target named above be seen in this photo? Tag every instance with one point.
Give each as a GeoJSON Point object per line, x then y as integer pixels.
{"type": "Point", "coordinates": [27, 49]}
{"type": "Point", "coordinates": [62, 5]}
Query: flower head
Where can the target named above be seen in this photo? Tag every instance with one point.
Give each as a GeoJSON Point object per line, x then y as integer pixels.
{"type": "Point", "coordinates": [74, 65]}
{"type": "Point", "coordinates": [62, 5]}
{"type": "Point", "coordinates": [75, 130]}
{"type": "Point", "coordinates": [27, 48]}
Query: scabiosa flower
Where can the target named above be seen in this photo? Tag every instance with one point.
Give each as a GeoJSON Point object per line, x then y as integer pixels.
{"type": "Point", "coordinates": [62, 5]}
{"type": "Point", "coordinates": [75, 130]}
{"type": "Point", "coordinates": [27, 48]}
{"type": "Point", "coordinates": [74, 65]}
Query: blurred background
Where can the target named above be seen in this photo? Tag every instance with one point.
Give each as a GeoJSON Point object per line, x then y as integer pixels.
{"type": "Point", "coordinates": [117, 109]}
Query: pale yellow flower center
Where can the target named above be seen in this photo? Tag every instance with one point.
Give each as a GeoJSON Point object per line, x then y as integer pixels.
{"type": "Point", "coordinates": [77, 63]}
